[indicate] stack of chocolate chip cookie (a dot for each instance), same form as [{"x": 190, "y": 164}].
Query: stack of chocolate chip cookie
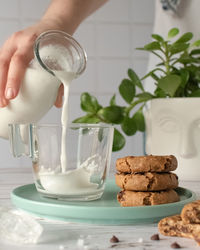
[
  {"x": 146, "y": 180},
  {"x": 186, "y": 224}
]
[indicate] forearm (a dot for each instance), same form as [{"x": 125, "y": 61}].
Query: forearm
[{"x": 68, "y": 14}]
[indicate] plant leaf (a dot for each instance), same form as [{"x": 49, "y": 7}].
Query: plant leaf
[
  {"x": 169, "y": 84},
  {"x": 178, "y": 47},
  {"x": 89, "y": 103},
  {"x": 173, "y": 32},
  {"x": 113, "y": 100},
  {"x": 196, "y": 43},
  {"x": 128, "y": 126},
  {"x": 195, "y": 52},
  {"x": 157, "y": 37},
  {"x": 185, "y": 59},
  {"x": 111, "y": 114},
  {"x": 138, "y": 119},
  {"x": 195, "y": 93},
  {"x": 127, "y": 90},
  {"x": 100, "y": 134},
  {"x": 145, "y": 95},
  {"x": 184, "y": 77},
  {"x": 134, "y": 77},
  {"x": 152, "y": 74},
  {"x": 118, "y": 141},
  {"x": 185, "y": 38},
  {"x": 152, "y": 46},
  {"x": 196, "y": 75},
  {"x": 159, "y": 93},
  {"x": 87, "y": 119}
]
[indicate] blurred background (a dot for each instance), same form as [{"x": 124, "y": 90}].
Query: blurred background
[{"x": 109, "y": 37}]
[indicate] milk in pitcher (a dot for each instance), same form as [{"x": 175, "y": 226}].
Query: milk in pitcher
[{"x": 36, "y": 96}]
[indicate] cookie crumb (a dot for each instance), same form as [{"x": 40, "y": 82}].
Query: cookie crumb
[
  {"x": 175, "y": 245},
  {"x": 155, "y": 237},
  {"x": 114, "y": 239}
]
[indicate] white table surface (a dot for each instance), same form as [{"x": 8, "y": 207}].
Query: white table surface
[{"x": 64, "y": 235}]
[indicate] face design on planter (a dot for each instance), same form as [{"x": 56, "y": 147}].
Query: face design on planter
[{"x": 173, "y": 127}]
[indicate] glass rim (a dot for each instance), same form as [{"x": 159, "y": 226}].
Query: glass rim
[
  {"x": 69, "y": 125},
  {"x": 66, "y": 36}
]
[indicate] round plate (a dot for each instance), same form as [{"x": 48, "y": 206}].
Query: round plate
[{"x": 106, "y": 210}]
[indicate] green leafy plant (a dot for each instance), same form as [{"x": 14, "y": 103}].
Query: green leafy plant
[{"x": 176, "y": 75}]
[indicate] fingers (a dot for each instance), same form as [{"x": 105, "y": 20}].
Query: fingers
[
  {"x": 15, "y": 56},
  {"x": 58, "y": 102},
  {"x": 5, "y": 55},
  {"x": 17, "y": 68}
]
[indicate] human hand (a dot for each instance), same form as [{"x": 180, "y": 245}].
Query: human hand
[{"x": 15, "y": 55}]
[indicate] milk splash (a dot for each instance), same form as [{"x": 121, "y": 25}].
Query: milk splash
[{"x": 72, "y": 181}]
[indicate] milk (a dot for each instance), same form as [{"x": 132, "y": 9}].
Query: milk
[
  {"x": 70, "y": 182},
  {"x": 65, "y": 78},
  {"x": 67, "y": 181},
  {"x": 37, "y": 95}
]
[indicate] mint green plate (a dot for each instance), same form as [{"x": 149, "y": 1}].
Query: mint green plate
[{"x": 103, "y": 211}]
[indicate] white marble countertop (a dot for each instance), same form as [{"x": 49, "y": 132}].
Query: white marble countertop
[{"x": 63, "y": 235}]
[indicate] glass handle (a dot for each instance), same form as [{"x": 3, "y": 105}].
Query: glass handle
[{"x": 19, "y": 136}]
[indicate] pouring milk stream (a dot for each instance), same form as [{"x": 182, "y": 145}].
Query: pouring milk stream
[
  {"x": 62, "y": 59},
  {"x": 65, "y": 66}
]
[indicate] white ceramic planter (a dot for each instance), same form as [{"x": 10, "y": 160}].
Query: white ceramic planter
[{"x": 173, "y": 127}]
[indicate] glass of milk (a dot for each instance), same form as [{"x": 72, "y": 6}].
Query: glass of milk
[{"x": 73, "y": 168}]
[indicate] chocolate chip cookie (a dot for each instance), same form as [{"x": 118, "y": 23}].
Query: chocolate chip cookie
[
  {"x": 191, "y": 212},
  {"x": 146, "y": 181},
  {"x": 174, "y": 226},
  {"x": 149, "y": 163},
  {"x": 132, "y": 198}
]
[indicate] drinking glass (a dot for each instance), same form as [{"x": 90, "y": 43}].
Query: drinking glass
[{"x": 77, "y": 174}]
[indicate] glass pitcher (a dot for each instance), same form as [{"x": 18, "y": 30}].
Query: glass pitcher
[
  {"x": 54, "y": 50},
  {"x": 57, "y": 50}
]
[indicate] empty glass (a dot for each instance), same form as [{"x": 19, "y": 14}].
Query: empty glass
[{"x": 77, "y": 174}]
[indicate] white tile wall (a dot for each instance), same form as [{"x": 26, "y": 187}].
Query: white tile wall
[
  {"x": 113, "y": 40},
  {"x": 87, "y": 81},
  {"x": 85, "y": 35},
  {"x": 142, "y": 11},
  {"x": 109, "y": 37},
  {"x": 114, "y": 11},
  {"x": 7, "y": 27},
  {"x": 9, "y": 9},
  {"x": 110, "y": 71},
  {"x": 32, "y": 9},
  {"x": 140, "y": 35}
]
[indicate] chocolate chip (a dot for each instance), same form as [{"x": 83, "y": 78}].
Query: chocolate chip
[
  {"x": 155, "y": 237},
  {"x": 120, "y": 196},
  {"x": 114, "y": 239},
  {"x": 175, "y": 245}
]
